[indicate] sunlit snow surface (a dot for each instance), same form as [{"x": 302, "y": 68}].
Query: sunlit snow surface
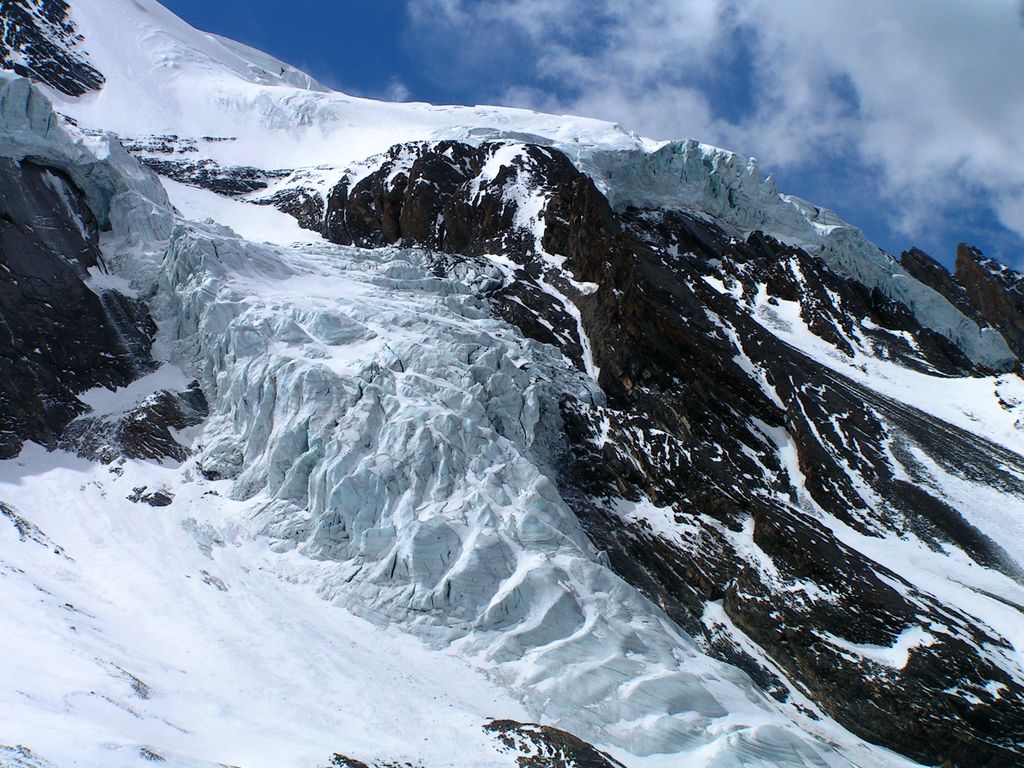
[{"x": 127, "y": 628}]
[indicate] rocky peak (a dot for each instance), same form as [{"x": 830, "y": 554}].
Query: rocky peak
[
  {"x": 996, "y": 292},
  {"x": 447, "y": 196}
]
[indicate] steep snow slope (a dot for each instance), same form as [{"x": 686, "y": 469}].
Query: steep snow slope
[
  {"x": 167, "y": 78},
  {"x": 134, "y": 632}
]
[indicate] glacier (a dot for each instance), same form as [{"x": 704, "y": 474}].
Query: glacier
[
  {"x": 376, "y": 491},
  {"x": 378, "y": 420}
]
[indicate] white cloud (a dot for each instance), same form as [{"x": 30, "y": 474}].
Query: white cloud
[
  {"x": 929, "y": 92},
  {"x": 396, "y": 91}
]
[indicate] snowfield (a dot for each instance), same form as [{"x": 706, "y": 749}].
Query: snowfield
[{"x": 136, "y": 629}]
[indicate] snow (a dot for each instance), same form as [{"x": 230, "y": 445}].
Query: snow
[
  {"x": 103, "y": 401},
  {"x": 258, "y": 223},
  {"x": 456, "y": 500},
  {"x": 530, "y": 201},
  {"x": 163, "y": 77},
  {"x": 660, "y": 520},
  {"x": 895, "y": 656},
  {"x": 101, "y": 281},
  {"x": 219, "y": 655},
  {"x": 411, "y": 473},
  {"x": 388, "y": 561}
]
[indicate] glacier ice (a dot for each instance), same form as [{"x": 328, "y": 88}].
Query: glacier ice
[
  {"x": 390, "y": 427},
  {"x": 382, "y": 423},
  {"x": 378, "y": 420},
  {"x": 115, "y": 185}
]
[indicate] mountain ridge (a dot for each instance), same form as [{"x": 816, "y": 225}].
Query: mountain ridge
[{"x": 584, "y": 412}]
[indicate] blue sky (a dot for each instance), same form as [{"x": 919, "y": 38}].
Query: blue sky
[{"x": 907, "y": 119}]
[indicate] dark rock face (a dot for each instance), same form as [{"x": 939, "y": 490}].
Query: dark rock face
[
  {"x": 930, "y": 272},
  {"x": 231, "y": 181},
  {"x": 339, "y": 760},
  {"x": 996, "y": 291},
  {"x": 173, "y": 157},
  {"x": 144, "y": 432},
  {"x": 306, "y": 206},
  {"x": 158, "y": 498},
  {"x": 535, "y": 746},
  {"x": 541, "y": 746},
  {"x": 58, "y": 337},
  {"x": 432, "y": 196},
  {"x": 426, "y": 195},
  {"x": 746, "y": 441},
  {"x": 40, "y": 42},
  {"x": 986, "y": 291},
  {"x": 691, "y": 429},
  {"x": 160, "y": 144}
]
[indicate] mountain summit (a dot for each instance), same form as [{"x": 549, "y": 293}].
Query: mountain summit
[{"x": 343, "y": 432}]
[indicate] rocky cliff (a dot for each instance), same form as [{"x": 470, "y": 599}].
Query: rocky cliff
[{"x": 688, "y": 468}]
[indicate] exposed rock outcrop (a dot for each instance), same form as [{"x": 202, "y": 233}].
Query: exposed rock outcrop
[
  {"x": 541, "y": 746},
  {"x": 40, "y": 42},
  {"x": 532, "y": 745},
  {"x": 206, "y": 174},
  {"x": 61, "y": 333},
  {"x": 930, "y": 272},
  {"x": 995, "y": 290},
  {"x": 706, "y": 446},
  {"x": 146, "y": 431},
  {"x": 66, "y": 326}
]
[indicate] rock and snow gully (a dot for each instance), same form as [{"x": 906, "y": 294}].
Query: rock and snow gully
[{"x": 435, "y": 423}]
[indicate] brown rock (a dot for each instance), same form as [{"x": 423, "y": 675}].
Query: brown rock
[{"x": 996, "y": 291}]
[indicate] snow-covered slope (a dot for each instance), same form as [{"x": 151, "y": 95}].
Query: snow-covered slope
[
  {"x": 530, "y": 420},
  {"x": 165, "y": 77},
  {"x": 134, "y": 634}
]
